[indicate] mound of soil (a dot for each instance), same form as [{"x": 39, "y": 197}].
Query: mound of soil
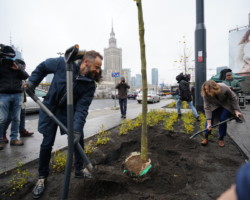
[{"x": 182, "y": 169}]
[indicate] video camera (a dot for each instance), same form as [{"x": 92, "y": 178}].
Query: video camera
[{"x": 7, "y": 55}]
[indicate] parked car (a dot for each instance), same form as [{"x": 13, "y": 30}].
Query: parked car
[
  {"x": 32, "y": 106},
  {"x": 161, "y": 94},
  {"x": 152, "y": 97},
  {"x": 132, "y": 95},
  {"x": 114, "y": 96}
]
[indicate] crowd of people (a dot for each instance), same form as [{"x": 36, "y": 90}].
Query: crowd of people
[{"x": 220, "y": 102}]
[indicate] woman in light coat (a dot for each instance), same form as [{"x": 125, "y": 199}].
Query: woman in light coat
[{"x": 219, "y": 103}]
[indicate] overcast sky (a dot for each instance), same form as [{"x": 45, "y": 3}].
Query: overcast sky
[{"x": 42, "y": 28}]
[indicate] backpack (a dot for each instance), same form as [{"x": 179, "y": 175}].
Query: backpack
[{"x": 185, "y": 93}]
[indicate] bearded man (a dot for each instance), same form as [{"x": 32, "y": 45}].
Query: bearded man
[{"x": 86, "y": 72}]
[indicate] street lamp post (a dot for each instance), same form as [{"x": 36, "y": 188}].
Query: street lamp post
[{"x": 200, "y": 53}]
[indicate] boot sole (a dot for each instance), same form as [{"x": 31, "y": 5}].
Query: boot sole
[
  {"x": 16, "y": 144},
  {"x": 26, "y": 135}
]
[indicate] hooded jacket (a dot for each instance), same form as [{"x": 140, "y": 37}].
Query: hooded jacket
[
  {"x": 184, "y": 91},
  {"x": 184, "y": 88}
]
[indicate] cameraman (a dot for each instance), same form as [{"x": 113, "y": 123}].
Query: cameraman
[
  {"x": 122, "y": 96},
  {"x": 11, "y": 76},
  {"x": 22, "y": 130}
]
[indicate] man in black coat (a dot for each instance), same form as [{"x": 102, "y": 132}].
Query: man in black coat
[
  {"x": 11, "y": 76},
  {"x": 185, "y": 94},
  {"x": 123, "y": 96},
  {"x": 23, "y": 132}
]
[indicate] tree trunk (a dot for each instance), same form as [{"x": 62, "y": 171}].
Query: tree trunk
[{"x": 144, "y": 134}]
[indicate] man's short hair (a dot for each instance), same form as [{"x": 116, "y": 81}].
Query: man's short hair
[{"x": 92, "y": 54}]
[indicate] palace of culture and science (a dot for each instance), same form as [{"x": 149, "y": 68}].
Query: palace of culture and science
[{"x": 113, "y": 62}]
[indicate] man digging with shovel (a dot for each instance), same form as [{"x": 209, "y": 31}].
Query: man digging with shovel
[{"x": 85, "y": 74}]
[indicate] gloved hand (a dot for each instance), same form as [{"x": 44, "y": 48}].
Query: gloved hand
[
  {"x": 29, "y": 88},
  {"x": 77, "y": 136}
]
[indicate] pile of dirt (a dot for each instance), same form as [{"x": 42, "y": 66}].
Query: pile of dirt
[{"x": 182, "y": 169}]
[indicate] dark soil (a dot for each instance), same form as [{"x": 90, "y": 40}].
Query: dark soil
[{"x": 182, "y": 170}]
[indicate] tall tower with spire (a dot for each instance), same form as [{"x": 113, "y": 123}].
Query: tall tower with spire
[{"x": 112, "y": 58}]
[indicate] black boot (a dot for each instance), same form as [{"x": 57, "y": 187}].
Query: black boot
[{"x": 84, "y": 173}]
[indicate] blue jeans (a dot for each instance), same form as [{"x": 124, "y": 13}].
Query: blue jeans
[
  {"x": 123, "y": 106},
  {"x": 222, "y": 114},
  {"x": 22, "y": 121},
  {"x": 46, "y": 148},
  {"x": 10, "y": 104},
  {"x": 190, "y": 103}
]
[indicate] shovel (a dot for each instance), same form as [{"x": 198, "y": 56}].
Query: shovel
[
  {"x": 59, "y": 123},
  {"x": 222, "y": 122}
]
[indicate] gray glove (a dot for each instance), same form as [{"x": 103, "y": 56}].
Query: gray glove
[{"x": 77, "y": 136}]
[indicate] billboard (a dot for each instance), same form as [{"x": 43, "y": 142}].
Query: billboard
[{"x": 239, "y": 50}]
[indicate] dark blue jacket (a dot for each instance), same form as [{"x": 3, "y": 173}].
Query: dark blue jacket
[
  {"x": 243, "y": 182},
  {"x": 56, "y": 98}
]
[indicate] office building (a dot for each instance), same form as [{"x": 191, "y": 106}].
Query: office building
[
  {"x": 154, "y": 74},
  {"x": 138, "y": 80},
  {"x": 133, "y": 81}
]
